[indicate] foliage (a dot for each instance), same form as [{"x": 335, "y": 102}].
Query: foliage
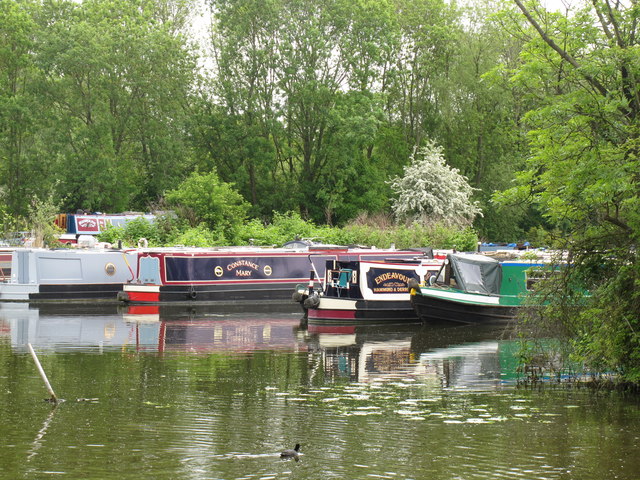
[
  {"x": 326, "y": 106},
  {"x": 198, "y": 236},
  {"x": 40, "y": 218},
  {"x": 284, "y": 228},
  {"x": 583, "y": 173},
  {"x": 92, "y": 105},
  {"x": 205, "y": 199},
  {"x": 311, "y": 106},
  {"x": 431, "y": 192},
  {"x": 132, "y": 232},
  {"x": 169, "y": 231},
  {"x": 408, "y": 236}
]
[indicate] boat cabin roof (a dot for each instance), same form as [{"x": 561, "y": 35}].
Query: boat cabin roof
[{"x": 476, "y": 273}]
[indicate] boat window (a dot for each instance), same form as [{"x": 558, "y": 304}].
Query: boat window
[
  {"x": 471, "y": 275},
  {"x": 535, "y": 275},
  {"x": 431, "y": 277}
]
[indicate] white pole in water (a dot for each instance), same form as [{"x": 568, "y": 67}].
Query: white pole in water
[{"x": 54, "y": 399}]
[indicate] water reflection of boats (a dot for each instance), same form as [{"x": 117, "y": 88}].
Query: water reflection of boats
[
  {"x": 77, "y": 328},
  {"x": 236, "y": 328},
  {"x": 65, "y": 327},
  {"x": 454, "y": 357}
]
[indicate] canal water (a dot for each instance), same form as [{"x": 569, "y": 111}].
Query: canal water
[{"x": 218, "y": 394}]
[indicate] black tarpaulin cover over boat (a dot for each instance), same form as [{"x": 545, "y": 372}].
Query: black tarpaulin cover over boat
[{"x": 476, "y": 273}]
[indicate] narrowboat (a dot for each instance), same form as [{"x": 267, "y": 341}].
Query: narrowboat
[
  {"x": 472, "y": 288},
  {"x": 359, "y": 289},
  {"x": 63, "y": 275},
  {"x": 92, "y": 224},
  {"x": 230, "y": 274},
  {"x": 6, "y": 255}
]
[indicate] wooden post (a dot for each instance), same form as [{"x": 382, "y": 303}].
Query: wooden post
[{"x": 54, "y": 399}]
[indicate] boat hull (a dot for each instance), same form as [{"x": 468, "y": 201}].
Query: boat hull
[
  {"x": 259, "y": 292},
  {"x": 361, "y": 291},
  {"x": 359, "y": 310},
  {"x": 67, "y": 275},
  {"x": 437, "y": 309}
]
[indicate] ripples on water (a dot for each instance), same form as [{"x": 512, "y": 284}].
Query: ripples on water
[{"x": 219, "y": 395}]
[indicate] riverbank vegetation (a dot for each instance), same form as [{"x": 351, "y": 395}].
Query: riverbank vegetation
[
  {"x": 379, "y": 232},
  {"x": 306, "y": 116}
]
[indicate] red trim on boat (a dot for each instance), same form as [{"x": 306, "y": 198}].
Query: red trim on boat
[
  {"x": 330, "y": 314},
  {"x": 236, "y": 282},
  {"x": 143, "y": 296}
]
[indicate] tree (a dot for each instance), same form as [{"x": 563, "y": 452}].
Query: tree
[
  {"x": 296, "y": 110},
  {"x": 116, "y": 76},
  {"x": 21, "y": 172},
  {"x": 584, "y": 170},
  {"x": 432, "y": 192},
  {"x": 205, "y": 199}
]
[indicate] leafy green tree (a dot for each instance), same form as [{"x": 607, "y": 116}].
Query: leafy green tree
[
  {"x": 205, "y": 199},
  {"x": 297, "y": 114},
  {"x": 116, "y": 75},
  {"x": 420, "y": 66},
  {"x": 22, "y": 170},
  {"x": 583, "y": 173}
]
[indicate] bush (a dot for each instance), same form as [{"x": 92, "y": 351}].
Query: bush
[
  {"x": 204, "y": 198},
  {"x": 199, "y": 236},
  {"x": 131, "y": 232},
  {"x": 284, "y": 228},
  {"x": 432, "y": 192},
  {"x": 288, "y": 226}
]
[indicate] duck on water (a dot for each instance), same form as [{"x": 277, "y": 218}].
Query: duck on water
[{"x": 291, "y": 453}]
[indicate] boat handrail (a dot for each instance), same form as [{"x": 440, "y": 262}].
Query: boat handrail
[{"x": 320, "y": 280}]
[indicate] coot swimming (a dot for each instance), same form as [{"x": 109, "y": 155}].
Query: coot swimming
[{"x": 291, "y": 453}]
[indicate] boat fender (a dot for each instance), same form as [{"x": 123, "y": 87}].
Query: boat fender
[
  {"x": 412, "y": 285},
  {"x": 192, "y": 294},
  {"x": 300, "y": 294},
  {"x": 312, "y": 302}
]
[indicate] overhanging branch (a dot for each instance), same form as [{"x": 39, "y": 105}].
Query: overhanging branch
[{"x": 563, "y": 53}]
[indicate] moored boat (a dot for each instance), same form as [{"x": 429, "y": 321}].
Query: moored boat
[
  {"x": 63, "y": 275},
  {"x": 357, "y": 289},
  {"x": 471, "y": 288},
  {"x": 83, "y": 224},
  {"x": 230, "y": 274}
]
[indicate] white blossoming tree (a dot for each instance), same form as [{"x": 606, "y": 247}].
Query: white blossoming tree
[{"x": 432, "y": 192}]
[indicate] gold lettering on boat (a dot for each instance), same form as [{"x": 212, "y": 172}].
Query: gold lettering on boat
[
  {"x": 391, "y": 276},
  {"x": 243, "y": 263}
]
